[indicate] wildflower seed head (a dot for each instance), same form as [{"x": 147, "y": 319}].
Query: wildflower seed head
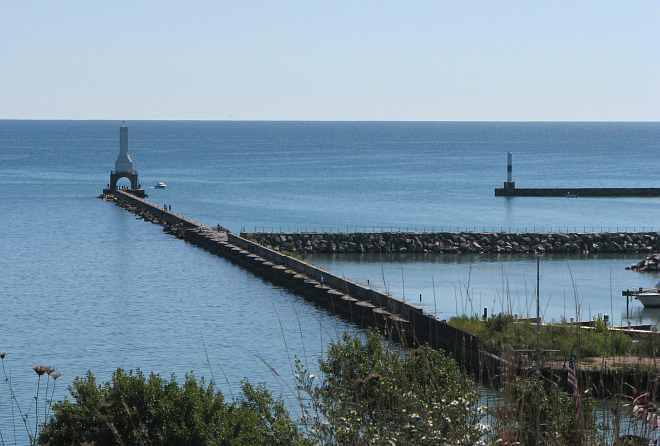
[
  {"x": 40, "y": 369},
  {"x": 2, "y": 355},
  {"x": 55, "y": 374}
]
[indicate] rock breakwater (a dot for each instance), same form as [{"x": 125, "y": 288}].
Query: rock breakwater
[
  {"x": 460, "y": 243},
  {"x": 649, "y": 264}
]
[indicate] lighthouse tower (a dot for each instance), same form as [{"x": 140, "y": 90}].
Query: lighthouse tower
[
  {"x": 509, "y": 184},
  {"x": 124, "y": 161},
  {"x": 124, "y": 166}
]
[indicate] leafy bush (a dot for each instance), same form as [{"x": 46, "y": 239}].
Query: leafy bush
[
  {"x": 134, "y": 409},
  {"x": 372, "y": 395}
]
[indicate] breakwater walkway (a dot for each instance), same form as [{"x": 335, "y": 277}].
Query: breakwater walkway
[
  {"x": 510, "y": 189},
  {"x": 460, "y": 243},
  {"x": 355, "y": 302},
  {"x": 578, "y": 192}
]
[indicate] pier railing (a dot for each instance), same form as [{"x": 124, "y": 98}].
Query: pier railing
[{"x": 425, "y": 229}]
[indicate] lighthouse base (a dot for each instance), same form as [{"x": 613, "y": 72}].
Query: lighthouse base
[{"x": 135, "y": 189}]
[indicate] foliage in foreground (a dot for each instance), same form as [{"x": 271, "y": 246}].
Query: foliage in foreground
[
  {"x": 369, "y": 394},
  {"x": 535, "y": 411},
  {"x": 372, "y": 395},
  {"x": 134, "y": 409}
]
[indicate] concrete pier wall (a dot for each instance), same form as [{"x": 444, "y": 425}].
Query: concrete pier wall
[
  {"x": 359, "y": 304},
  {"x": 167, "y": 217},
  {"x": 513, "y": 191},
  {"x": 359, "y": 291}
]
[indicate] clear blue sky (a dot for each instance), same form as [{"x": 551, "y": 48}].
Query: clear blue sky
[{"x": 327, "y": 60}]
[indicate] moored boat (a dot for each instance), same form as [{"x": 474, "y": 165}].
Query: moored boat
[{"x": 650, "y": 299}]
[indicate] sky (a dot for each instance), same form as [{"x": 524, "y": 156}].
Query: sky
[{"x": 331, "y": 60}]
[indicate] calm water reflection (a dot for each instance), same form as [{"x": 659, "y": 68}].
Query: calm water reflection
[{"x": 466, "y": 284}]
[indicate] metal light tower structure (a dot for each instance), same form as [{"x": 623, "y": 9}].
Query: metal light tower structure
[
  {"x": 509, "y": 184},
  {"x": 124, "y": 161},
  {"x": 124, "y": 165}
]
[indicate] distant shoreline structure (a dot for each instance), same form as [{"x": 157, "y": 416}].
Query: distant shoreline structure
[{"x": 510, "y": 190}]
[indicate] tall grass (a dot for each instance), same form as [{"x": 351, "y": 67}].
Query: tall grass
[
  {"x": 42, "y": 402},
  {"x": 501, "y": 332}
]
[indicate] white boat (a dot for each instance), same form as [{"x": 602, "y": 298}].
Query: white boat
[
  {"x": 160, "y": 185},
  {"x": 650, "y": 299}
]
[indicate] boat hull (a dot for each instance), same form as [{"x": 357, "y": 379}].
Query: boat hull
[{"x": 649, "y": 300}]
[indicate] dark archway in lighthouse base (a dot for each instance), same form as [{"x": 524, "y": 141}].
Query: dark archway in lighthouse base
[
  {"x": 116, "y": 176},
  {"x": 130, "y": 176}
]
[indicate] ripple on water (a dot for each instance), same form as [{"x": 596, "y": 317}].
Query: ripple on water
[{"x": 107, "y": 291}]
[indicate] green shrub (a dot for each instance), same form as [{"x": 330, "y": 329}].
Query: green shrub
[
  {"x": 134, "y": 409},
  {"x": 373, "y": 395}
]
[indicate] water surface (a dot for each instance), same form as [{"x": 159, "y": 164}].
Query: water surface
[
  {"x": 85, "y": 285},
  {"x": 578, "y": 287}
]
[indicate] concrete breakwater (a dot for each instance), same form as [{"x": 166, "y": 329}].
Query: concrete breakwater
[
  {"x": 460, "y": 243},
  {"x": 578, "y": 192},
  {"x": 357, "y": 303}
]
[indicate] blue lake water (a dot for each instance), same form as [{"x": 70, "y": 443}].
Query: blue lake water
[
  {"x": 570, "y": 287},
  {"x": 85, "y": 285}
]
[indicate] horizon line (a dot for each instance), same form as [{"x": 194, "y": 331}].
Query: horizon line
[{"x": 539, "y": 121}]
